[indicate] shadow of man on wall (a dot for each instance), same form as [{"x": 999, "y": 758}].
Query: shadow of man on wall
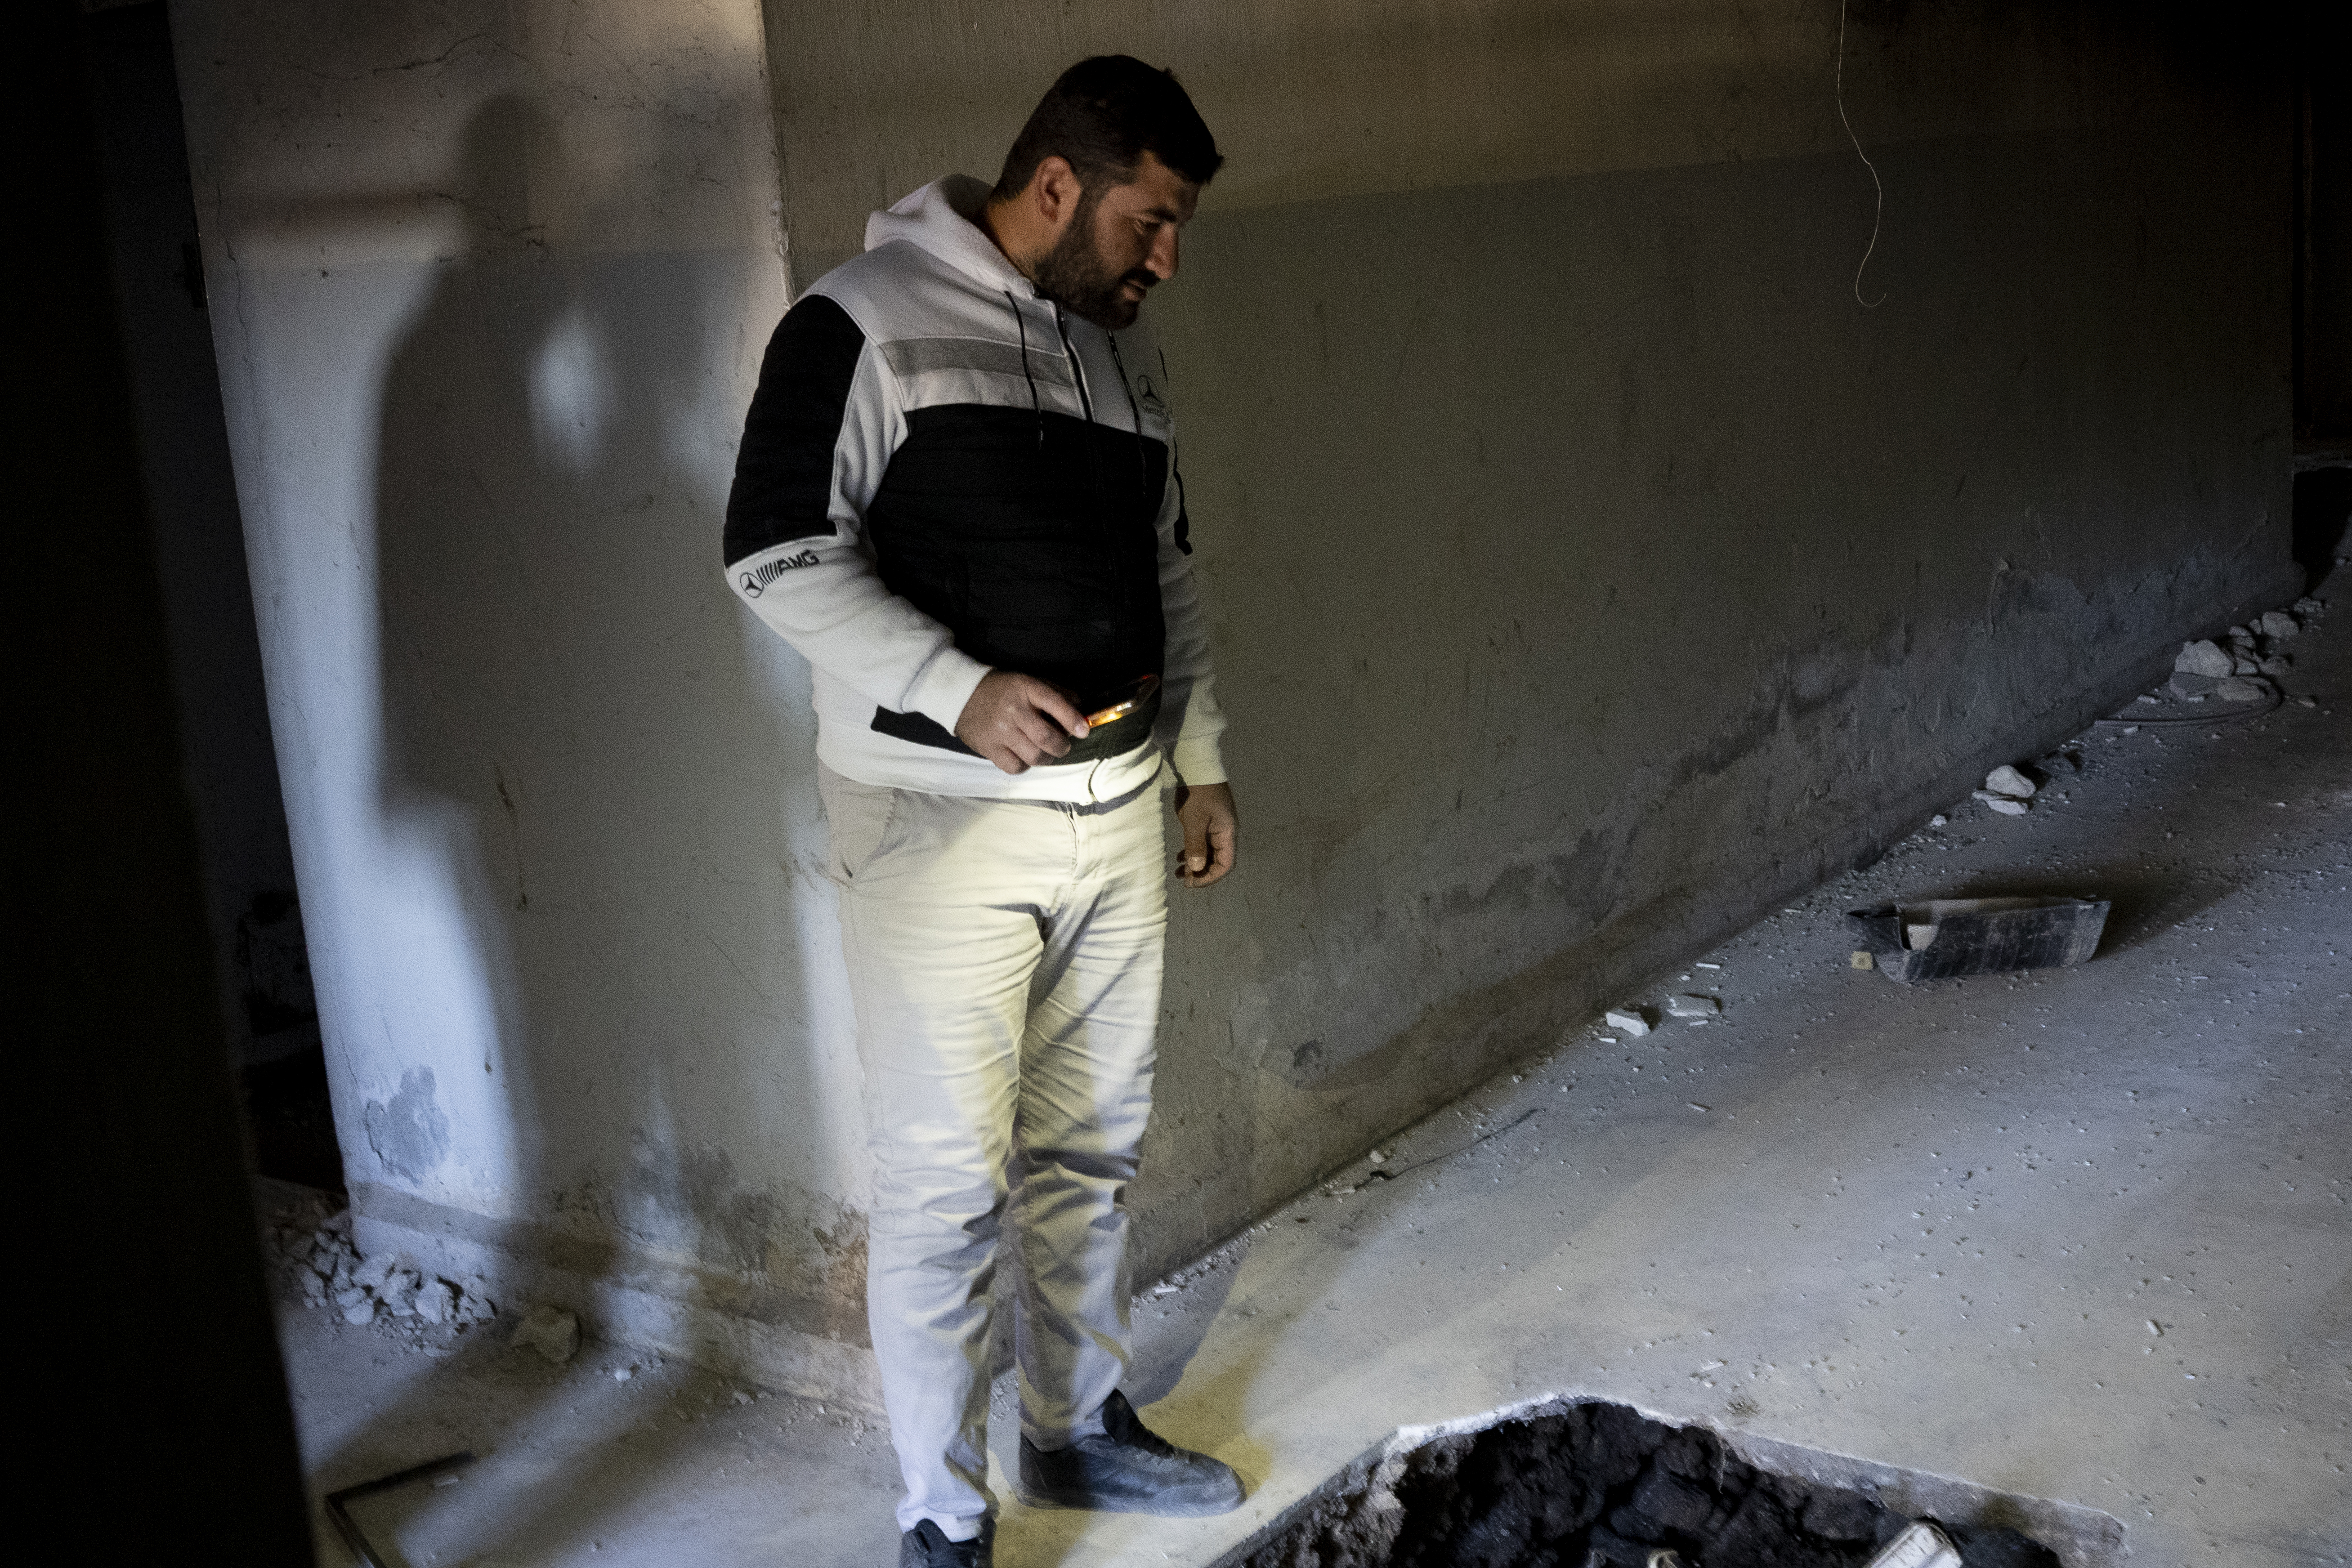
[
  {"x": 465, "y": 496},
  {"x": 559, "y": 670}
]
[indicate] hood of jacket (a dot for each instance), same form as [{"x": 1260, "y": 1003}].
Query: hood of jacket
[{"x": 943, "y": 219}]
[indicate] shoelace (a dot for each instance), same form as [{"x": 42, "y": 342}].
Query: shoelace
[{"x": 1121, "y": 1423}]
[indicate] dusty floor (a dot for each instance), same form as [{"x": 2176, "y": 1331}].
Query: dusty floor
[{"x": 2084, "y": 1235}]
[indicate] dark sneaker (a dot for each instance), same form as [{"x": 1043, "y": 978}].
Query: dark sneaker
[
  {"x": 1126, "y": 1469},
  {"x": 925, "y": 1547}
]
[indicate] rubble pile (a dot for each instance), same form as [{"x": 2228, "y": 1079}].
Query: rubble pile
[
  {"x": 320, "y": 1264},
  {"x": 2245, "y": 664},
  {"x": 1600, "y": 1484}
]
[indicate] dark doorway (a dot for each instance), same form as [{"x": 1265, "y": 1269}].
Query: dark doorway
[{"x": 261, "y": 963}]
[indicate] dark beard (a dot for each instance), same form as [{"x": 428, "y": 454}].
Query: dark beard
[{"x": 1074, "y": 276}]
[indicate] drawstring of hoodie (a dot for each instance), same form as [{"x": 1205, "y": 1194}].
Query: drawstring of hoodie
[
  {"x": 1077, "y": 364},
  {"x": 1086, "y": 401},
  {"x": 1176, "y": 472},
  {"x": 1022, "y": 327}
]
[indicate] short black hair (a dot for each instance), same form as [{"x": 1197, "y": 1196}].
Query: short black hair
[{"x": 1104, "y": 114}]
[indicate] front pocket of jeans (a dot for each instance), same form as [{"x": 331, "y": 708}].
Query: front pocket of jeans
[{"x": 861, "y": 818}]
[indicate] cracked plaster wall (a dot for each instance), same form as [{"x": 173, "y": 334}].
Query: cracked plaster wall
[{"x": 1589, "y": 570}]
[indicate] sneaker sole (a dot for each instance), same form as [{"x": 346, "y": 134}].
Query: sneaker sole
[{"x": 1206, "y": 1509}]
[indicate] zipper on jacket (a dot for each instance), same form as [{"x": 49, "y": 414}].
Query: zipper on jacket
[{"x": 1106, "y": 531}]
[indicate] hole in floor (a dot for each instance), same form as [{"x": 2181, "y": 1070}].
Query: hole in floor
[{"x": 1596, "y": 1485}]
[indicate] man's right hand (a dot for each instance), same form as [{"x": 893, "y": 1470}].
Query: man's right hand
[{"x": 1017, "y": 720}]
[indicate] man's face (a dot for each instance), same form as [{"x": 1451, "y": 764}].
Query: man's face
[{"x": 1119, "y": 245}]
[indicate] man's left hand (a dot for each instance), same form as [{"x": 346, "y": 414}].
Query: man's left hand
[{"x": 1211, "y": 833}]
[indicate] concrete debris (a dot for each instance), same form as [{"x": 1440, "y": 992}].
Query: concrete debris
[
  {"x": 1634, "y": 1021},
  {"x": 2203, "y": 658},
  {"x": 2006, "y": 780},
  {"x": 436, "y": 1303},
  {"x": 2250, "y": 653},
  {"x": 474, "y": 1304},
  {"x": 551, "y": 1332},
  {"x": 398, "y": 1293},
  {"x": 1938, "y": 820},
  {"x": 1693, "y": 1006},
  {"x": 312, "y": 1246},
  {"x": 2002, "y": 804},
  {"x": 1920, "y": 1546}
]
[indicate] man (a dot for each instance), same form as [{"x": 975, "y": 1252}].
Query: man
[{"x": 957, "y": 495}]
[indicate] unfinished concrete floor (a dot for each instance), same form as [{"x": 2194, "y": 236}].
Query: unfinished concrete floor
[{"x": 2081, "y": 1235}]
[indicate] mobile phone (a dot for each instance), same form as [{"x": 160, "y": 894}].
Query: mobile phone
[{"x": 1124, "y": 701}]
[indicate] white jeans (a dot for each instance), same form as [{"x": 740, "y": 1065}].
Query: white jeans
[{"x": 1004, "y": 959}]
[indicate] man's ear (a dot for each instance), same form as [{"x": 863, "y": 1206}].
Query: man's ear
[{"x": 1056, "y": 189}]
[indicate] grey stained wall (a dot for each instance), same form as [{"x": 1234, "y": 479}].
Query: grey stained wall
[{"x": 1589, "y": 568}]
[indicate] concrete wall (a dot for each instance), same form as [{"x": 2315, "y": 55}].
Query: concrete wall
[
  {"x": 2325, "y": 254},
  {"x": 1589, "y": 568},
  {"x": 489, "y": 283}
]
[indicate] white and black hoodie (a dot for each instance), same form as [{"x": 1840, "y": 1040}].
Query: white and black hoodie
[{"x": 943, "y": 473}]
